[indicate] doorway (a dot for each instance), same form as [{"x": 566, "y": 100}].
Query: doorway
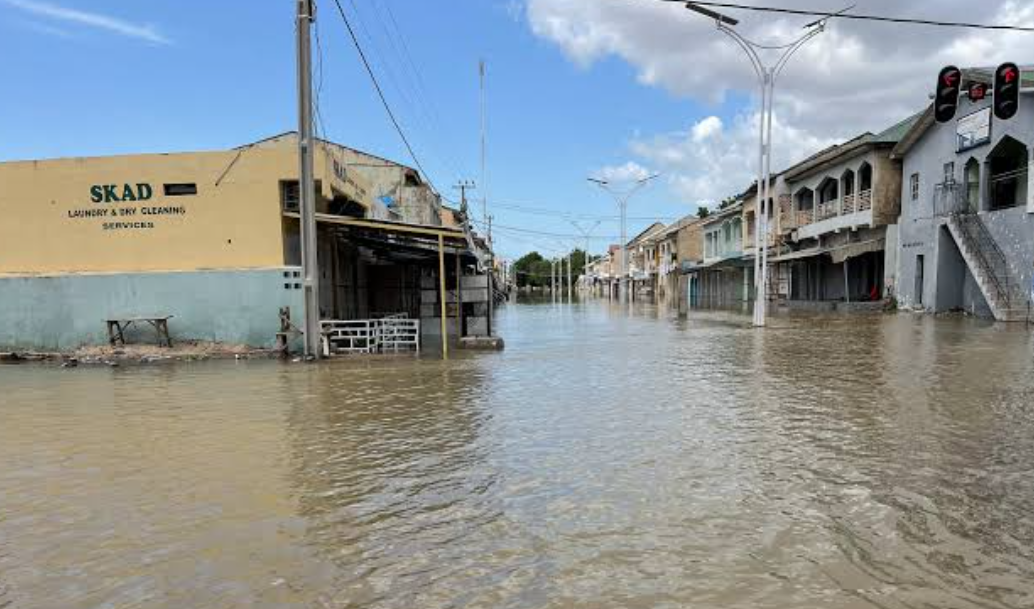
[{"x": 920, "y": 280}]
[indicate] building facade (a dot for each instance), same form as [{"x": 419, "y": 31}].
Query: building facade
[
  {"x": 966, "y": 237},
  {"x": 723, "y": 277},
  {"x": 837, "y": 222},
  {"x": 211, "y": 239}
]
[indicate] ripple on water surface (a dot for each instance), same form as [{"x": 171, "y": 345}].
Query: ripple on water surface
[{"x": 608, "y": 458}]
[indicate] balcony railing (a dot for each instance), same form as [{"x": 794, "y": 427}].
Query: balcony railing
[
  {"x": 849, "y": 204},
  {"x": 865, "y": 200},
  {"x": 827, "y": 210}
]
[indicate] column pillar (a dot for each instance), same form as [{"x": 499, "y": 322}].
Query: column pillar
[
  {"x": 1030, "y": 183},
  {"x": 985, "y": 186}
]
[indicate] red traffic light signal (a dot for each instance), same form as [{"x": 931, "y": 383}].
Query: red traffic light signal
[
  {"x": 946, "y": 100},
  {"x": 1007, "y": 91}
]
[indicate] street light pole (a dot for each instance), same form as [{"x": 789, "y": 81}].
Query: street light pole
[
  {"x": 767, "y": 76},
  {"x": 622, "y": 199},
  {"x": 585, "y": 233}
]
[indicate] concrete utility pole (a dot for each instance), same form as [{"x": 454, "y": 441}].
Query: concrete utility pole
[
  {"x": 767, "y": 76},
  {"x": 570, "y": 295},
  {"x": 306, "y": 183},
  {"x": 463, "y": 186},
  {"x": 552, "y": 279},
  {"x": 491, "y": 279},
  {"x": 622, "y": 199}
]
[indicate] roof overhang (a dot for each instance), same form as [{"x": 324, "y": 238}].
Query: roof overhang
[
  {"x": 395, "y": 239},
  {"x": 912, "y": 136},
  {"x": 837, "y": 254}
]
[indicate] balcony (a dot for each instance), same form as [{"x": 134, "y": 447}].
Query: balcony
[{"x": 850, "y": 211}]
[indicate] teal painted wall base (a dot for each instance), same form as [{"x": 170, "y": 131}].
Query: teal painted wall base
[{"x": 64, "y": 312}]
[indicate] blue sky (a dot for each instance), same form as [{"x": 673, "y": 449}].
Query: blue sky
[
  {"x": 576, "y": 88},
  {"x": 218, "y": 74}
]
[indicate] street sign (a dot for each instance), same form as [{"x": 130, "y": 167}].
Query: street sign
[{"x": 977, "y": 92}]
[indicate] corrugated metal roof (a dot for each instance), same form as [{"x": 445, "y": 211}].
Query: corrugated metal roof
[{"x": 894, "y": 134}]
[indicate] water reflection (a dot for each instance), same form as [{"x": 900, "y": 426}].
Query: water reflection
[{"x": 611, "y": 457}]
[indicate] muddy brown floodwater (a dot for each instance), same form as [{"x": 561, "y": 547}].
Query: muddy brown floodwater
[{"x": 608, "y": 458}]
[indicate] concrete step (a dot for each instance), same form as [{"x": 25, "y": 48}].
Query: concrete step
[{"x": 1014, "y": 315}]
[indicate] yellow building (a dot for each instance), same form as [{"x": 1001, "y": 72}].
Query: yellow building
[{"x": 210, "y": 238}]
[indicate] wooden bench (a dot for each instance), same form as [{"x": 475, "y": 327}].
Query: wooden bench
[{"x": 117, "y": 329}]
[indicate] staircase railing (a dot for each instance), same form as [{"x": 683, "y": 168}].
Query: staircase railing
[{"x": 990, "y": 256}]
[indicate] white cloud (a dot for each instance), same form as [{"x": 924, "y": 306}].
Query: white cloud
[
  {"x": 515, "y": 10},
  {"x": 707, "y": 162},
  {"x": 855, "y": 77},
  {"x": 629, "y": 172},
  {"x": 707, "y": 128},
  {"x": 89, "y": 19}
]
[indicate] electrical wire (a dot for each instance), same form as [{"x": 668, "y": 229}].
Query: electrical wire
[
  {"x": 528, "y": 231},
  {"x": 540, "y": 211},
  {"x": 570, "y": 216},
  {"x": 400, "y": 75},
  {"x": 861, "y": 17},
  {"x": 427, "y": 106},
  {"x": 380, "y": 94}
]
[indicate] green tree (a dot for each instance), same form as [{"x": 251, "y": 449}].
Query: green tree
[
  {"x": 534, "y": 270},
  {"x": 703, "y": 212}
]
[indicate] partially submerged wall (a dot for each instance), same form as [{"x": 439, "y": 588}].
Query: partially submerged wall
[{"x": 64, "y": 312}]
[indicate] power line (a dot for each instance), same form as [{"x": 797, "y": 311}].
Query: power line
[
  {"x": 568, "y": 215},
  {"x": 541, "y": 211},
  {"x": 428, "y": 108},
  {"x": 401, "y": 77},
  {"x": 528, "y": 231},
  {"x": 380, "y": 94},
  {"x": 861, "y": 17}
]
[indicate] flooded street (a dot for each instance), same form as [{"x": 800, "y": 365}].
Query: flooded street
[{"x": 606, "y": 459}]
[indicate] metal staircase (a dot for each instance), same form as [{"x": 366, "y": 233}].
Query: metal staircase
[{"x": 988, "y": 264}]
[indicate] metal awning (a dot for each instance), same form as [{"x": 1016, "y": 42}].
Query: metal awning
[
  {"x": 853, "y": 250},
  {"x": 398, "y": 241},
  {"x": 837, "y": 254},
  {"x": 800, "y": 255}
]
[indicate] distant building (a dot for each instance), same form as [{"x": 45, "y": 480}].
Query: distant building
[
  {"x": 669, "y": 268},
  {"x": 643, "y": 259},
  {"x": 723, "y": 277}
]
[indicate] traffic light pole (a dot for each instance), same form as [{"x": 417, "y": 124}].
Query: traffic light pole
[{"x": 767, "y": 77}]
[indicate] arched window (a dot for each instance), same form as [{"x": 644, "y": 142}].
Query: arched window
[
  {"x": 1008, "y": 187},
  {"x": 865, "y": 177}
]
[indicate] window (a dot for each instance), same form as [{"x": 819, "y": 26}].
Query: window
[
  {"x": 949, "y": 173},
  {"x": 180, "y": 190},
  {"x": 289, "y": 195},
  {"x": 914, "y": 185}
]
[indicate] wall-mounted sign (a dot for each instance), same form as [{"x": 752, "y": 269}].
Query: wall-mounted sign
[
  {"x": 120, "y": 208},
  {"x": 977, "y": 92},
  {"x": 973, "y": 130}
]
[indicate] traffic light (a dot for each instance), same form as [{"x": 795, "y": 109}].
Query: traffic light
[
  {"x": 947, "y": 98},
  {"x": 1007, "y": 91}
]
